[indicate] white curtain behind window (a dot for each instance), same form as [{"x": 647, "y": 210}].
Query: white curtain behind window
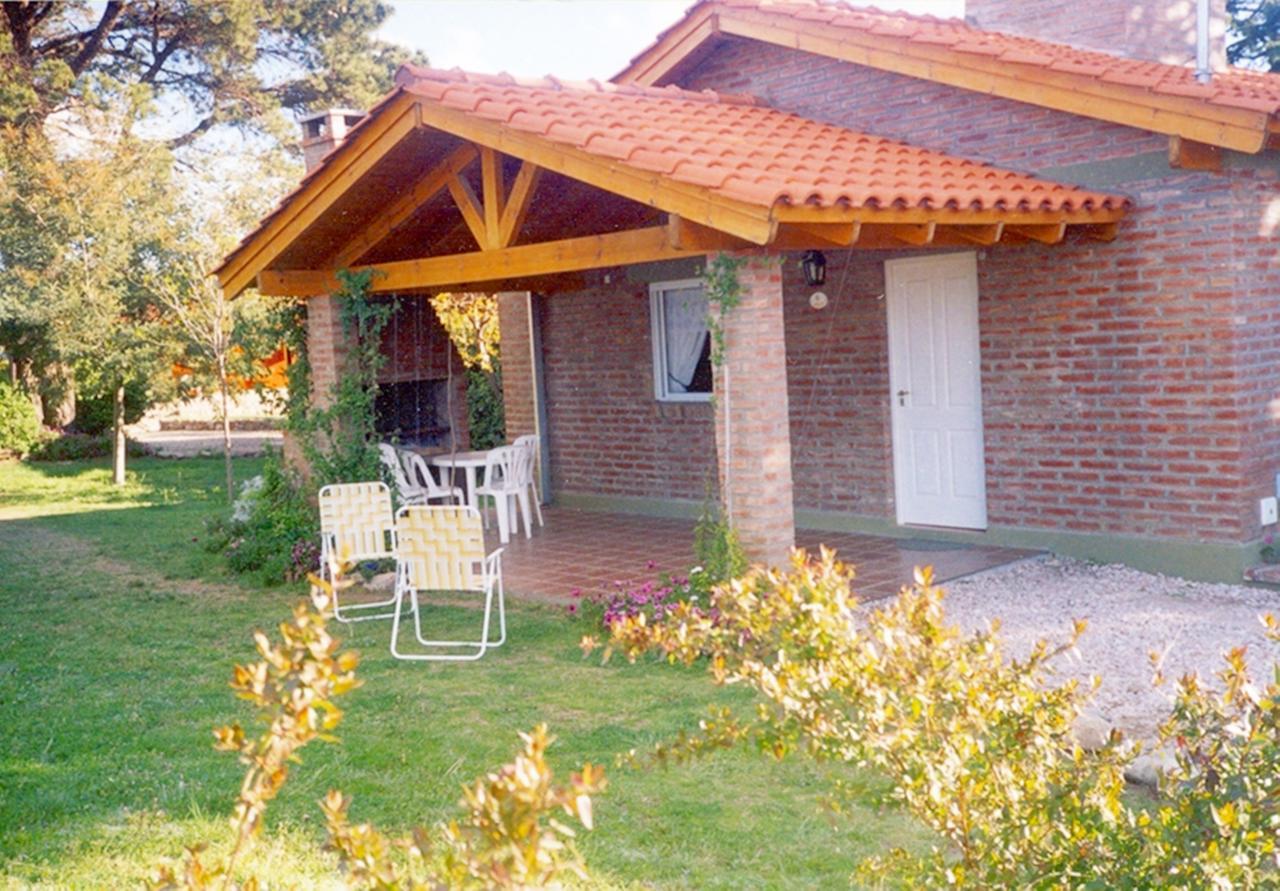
[{"x": 685, "y": 313}]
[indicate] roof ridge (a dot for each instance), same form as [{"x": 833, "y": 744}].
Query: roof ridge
[{"x": 409, "y": 74}]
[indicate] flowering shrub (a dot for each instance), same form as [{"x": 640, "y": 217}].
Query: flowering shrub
[
  {"x": 652, "y": 599},
  {"x": 506, "y": 838},
  {"x": 977, "y": 746},
  {"x": 720, "y": 558}
]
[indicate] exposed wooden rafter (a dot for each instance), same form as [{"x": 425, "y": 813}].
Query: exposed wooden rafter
[
  {"x": 566, "y": 255},
  {"x": 517, "y": 205},
  {"x": 1045, "y": 234},
  {"x": 1187, "y": 154},
  {"x": 422, "y": 191},
  {"x": 330, "y": 182}
]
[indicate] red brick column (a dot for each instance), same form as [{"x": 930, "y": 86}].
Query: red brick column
[
  {"x": 754, "y": 446},
  {"x": 326, "y": 346},
  {"x": 519, "y": 398}
]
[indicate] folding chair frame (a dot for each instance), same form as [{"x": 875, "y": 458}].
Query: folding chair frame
[
  {"x": 331, "y": 554},
  {"x": 490, "y": 585}
]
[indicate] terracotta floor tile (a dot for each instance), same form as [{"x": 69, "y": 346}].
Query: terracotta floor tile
[{"x": 588, "y": 551}]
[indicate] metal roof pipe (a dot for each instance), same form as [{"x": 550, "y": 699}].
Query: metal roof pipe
[{"x": 1204, "y": 74}]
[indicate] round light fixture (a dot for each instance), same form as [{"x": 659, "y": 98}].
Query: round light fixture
[{"x": 818, "y": 300}]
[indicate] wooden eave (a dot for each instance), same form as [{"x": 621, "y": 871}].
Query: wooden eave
[
  {"x": 678, "y": 219},
  {"x": 1238, "y": 129}
]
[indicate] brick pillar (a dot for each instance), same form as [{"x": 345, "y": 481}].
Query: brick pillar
[
  {"x": 754, "y": 448},
  {"x": 519, "y": 397},
  {"x": 326, "y": 346}
]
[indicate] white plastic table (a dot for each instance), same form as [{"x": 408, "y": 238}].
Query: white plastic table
[{"x": 469, "y": 462}]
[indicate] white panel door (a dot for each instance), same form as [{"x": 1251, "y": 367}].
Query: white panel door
[{"x": 935, "y": 386}]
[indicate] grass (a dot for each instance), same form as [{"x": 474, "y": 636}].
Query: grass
[{"x": 119, "y": 635}]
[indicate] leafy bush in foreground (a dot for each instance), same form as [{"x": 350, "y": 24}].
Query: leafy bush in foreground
[
  {"x": 506, "y": 838},
  {"x": 979, "y": 747},
  {"x": 19, "y": 426},
  {"x": 279, "y": 538}
]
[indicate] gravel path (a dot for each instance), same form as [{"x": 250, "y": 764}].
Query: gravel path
[
  {"x": 189, "y": 443},
  {"x": 1130, "y": 614}
]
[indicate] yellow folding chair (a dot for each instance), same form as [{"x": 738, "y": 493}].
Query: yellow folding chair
[
  {"x": 356, "y": 524},
  {"x": 441, "y": 548}
]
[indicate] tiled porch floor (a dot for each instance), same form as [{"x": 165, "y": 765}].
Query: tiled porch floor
[{"x": 586, "y": 551}]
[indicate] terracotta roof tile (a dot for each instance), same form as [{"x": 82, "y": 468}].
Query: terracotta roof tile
[
  {"x": 1236, "y": 88},
  {"x": 742, "y": 150}
]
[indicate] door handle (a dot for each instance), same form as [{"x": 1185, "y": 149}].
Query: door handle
[{"x": 902, "y": 397}]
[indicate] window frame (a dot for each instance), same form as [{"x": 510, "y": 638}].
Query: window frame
[{"x": 658, "y": 339}]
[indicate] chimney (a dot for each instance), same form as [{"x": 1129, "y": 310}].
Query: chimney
[
  {"x": 324, "y": 130},
  {"x": 1155, "y": 30}
]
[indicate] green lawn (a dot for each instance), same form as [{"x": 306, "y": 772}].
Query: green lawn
[{"x": 116, "y": 643}]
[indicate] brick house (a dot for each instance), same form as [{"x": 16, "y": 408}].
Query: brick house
[{"x": 1050, "y": 310}]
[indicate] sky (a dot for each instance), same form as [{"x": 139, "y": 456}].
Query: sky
[{"x": 572, "y": 39}]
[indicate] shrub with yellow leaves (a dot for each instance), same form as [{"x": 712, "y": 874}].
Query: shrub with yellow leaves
[
  {"x": 508, "y": 836},
  {"x": 977, "y": 745}
]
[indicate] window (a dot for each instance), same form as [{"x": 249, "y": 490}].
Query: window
[{"x": 681, "y": 343}]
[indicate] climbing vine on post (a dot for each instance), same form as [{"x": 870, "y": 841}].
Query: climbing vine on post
[
  {"x": 724, "y": 293},
  {"x": 340, "y": 441}
]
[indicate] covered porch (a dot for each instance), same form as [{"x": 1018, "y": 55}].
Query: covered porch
[
  {"x": 569, "y": 202},
  {"x": 579, "y": 552}
]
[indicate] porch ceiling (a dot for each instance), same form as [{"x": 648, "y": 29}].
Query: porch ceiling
[{"x": 457, "y": 179}]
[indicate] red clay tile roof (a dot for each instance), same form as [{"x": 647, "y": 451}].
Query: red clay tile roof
[
  {"x": 741, "y": 150},
  {"x": 1236, "y": 88}
]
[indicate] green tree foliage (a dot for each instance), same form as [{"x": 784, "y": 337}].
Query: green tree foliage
[
  {"x": 235, "y": 63},
  {"x": 978, "y": 745},
  {"x": 19, "y": 427},
  {"x": 1254, "y": 41},
  {"x": 95, "y": 98}
]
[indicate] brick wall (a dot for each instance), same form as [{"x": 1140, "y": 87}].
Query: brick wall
[
  {"x": 1163, "y": 30},
  {"x": 1125, "y": 385},
  {"x": 1128, "y": 387},
  {"x": 1255, "y": 253},
  {"x": 607, "y": 433}
]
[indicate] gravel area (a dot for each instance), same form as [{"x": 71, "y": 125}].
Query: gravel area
[
  {"x": 189, "y": 443},
  {"x": 1130, "y": 614}
]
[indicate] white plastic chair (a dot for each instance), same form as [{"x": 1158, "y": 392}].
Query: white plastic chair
[
  {"x": 356, "y": 524},
  {"x": 419, "y": 473},
  {"x": 441, "y": 548},
  {"x": 414, "y": 482},
  {"x": 508, "y": 472},
  {"x": 530, "y": 442}
]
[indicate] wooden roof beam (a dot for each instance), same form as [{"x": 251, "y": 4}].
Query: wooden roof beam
[
  {"x": 464, "y": 198},
  {"x": 1187, "y": 154},
  {"x": 1098, "y": 231},
  {"x": 624, "y": 248},
  {"x": 1239, "y": 129},
  {"x": 329, "y": 183},
  {"x": 981, "y": 235},
  {"x": 816, "y": 236},
  {"x": 1048, "y": 234},
  {"x": 695, "y": 203},
  {"x": 684, "y": 235},
  {"x": 491, "y": 186},
  {"x": 517, "y": 204},
  {"x": 427, "y": 187}
]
